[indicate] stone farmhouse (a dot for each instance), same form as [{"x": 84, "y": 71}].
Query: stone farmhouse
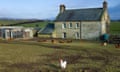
[
  {"x": 15, "y": 32},
  {"x": 88, "y": 23}
]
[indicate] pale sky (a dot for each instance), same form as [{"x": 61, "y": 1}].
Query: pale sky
[{"x": 45, "y": 9}]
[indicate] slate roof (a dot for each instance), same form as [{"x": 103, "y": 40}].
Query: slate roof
[
  {"x": 48, "y": 29},
  {"x": 90, "y": 14},
  {"x": 37, "y": 29}
]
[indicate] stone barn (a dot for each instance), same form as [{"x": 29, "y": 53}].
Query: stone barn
[
  {"x": 88, "y": 23},
  {"x": 15, "y": 32}
]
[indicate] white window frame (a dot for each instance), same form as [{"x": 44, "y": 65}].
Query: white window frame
[
  {"x": 77, "y": 25},
  {"x": 77, "y": 35},
  {"x": 64, "y": 35},
  {"x": 64, "y": 26},
  {"x": 70, "y": 25}
]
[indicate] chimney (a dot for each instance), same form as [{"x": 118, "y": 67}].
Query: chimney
[
  {"x": 62, "y": 8},
  {"x": 105, "y": 5}
]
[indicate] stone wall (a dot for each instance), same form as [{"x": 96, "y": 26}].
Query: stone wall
[
  {"x": 69, "y": 31},
  {"x": 105, "y": 19},
  {"x": 90, "y": 30}
]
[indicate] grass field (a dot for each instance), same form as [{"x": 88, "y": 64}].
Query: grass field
[
  {"x": 44, "y": 57},
  {"x": 32, "y": 56},
  {"x": 115, "y": 28}
]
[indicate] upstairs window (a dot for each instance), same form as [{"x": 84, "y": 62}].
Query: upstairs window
[
  {"x": 77, "y": 25},
  {"x": 70, "y": 25},
  {"x": 64, "y": 26}
]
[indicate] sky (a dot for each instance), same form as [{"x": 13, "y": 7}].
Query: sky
[{"x": 48, "y": 9}]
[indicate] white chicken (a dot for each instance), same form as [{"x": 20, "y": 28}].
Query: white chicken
[{"x": 63, "y": 64}]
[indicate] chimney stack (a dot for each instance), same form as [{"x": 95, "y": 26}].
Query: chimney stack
[
  {"x": 62, "y": 8},
  {"x": 105, "y": 4}
]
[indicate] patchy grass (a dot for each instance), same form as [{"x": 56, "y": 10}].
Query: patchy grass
[{"x": 44, "y": 57}]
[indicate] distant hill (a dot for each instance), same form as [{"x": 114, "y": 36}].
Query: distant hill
[
  {"x": 11, "y": 22},
  {"x": 24, "y": 22}
]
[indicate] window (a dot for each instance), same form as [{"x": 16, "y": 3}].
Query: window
[
  {"x": 63, "y": 25},
  {"x": 70, "y": 25},
  {"x": 77, "y": 25},
  {"x": 64, "y": 35},
  {"x": 77, "y": 35}
]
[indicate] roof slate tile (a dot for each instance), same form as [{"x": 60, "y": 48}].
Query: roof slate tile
[{"x": 90, "y": 14}]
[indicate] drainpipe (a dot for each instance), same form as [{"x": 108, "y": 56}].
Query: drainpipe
[{"x": 80, "y": 30}]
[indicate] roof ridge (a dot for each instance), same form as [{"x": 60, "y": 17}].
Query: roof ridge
[{"x": 83, "y": 9}]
